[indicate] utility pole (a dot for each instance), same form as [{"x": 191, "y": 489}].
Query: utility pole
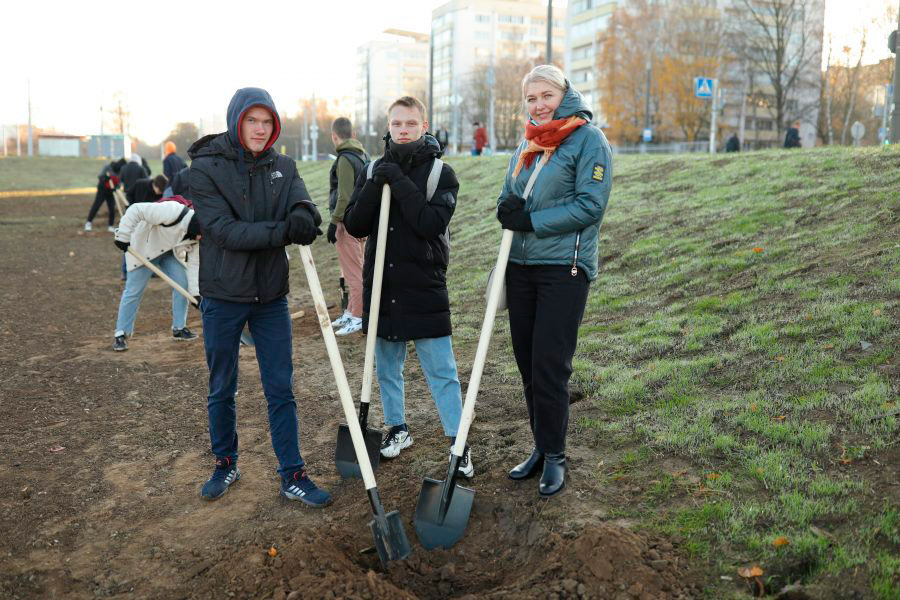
[
  {"x": 712, "y": 119},
  {"x": 431, "y": 78},
  {"x": 895, "y": 120},
  {"x": 30, "y": 136},
  {"x": 368, "y": 97},
  {"x": 549, "y": 32}
]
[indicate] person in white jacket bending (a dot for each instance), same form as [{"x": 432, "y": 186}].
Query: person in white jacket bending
[{"x": 166, "y": 234}]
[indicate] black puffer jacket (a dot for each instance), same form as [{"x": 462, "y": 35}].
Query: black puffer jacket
[
  {"x": 242, "y": 204},
  {"x": 414, "y": 300}
]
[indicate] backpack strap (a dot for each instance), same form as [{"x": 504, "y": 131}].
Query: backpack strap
[
  {"x": 433, "y": 178},
  {"x": 184, "y": 211},
  {"x": 370, "y": 169}
]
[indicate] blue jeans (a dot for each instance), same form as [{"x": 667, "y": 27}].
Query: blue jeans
[
  {"x": 438, "y": 364},
  {"x": 270, "y": 326},
  {"x": 134, "y": 291}
]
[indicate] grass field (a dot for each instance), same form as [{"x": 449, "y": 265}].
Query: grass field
[
  {"x": 52, "y": 173},
  {"x": 737, "y": 371},
  {"x": 738, "y": 354}
]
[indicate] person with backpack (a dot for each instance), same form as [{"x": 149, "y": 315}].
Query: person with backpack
[
  {"x": 553, "y": 257},
  {"x": 415, "y": 305},
  {"x": 351, "y": 161},
  {"x": 252, "y": 204},
  {"x": 164, "y": 233},
  {"x": 133, "y": 170},
  {"x": 107, "y": 181}
]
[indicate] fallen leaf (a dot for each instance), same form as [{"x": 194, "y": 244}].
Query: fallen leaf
[
  {"x": 57, "y": 448},
  {"x": 712, "y": 476},
  {"x": 750, "y": 572},
  {"x": 273, "y": 552},
  {"x": 753, "y": 408},
  {"x": 877, "y": 312},
  {"x": 828, "y": 346},
  {"x": 758, "y": 250},
  {"x": 778, "y": 418},
  {"x": 779, "y": 358},
  {"x": 808, "y": 317},
  {"x": 780, "y": 541},
  {"x": 760, "y": 471}
]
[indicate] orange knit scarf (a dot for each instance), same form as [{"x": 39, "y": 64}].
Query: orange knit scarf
[{"x": 546, "y": 138}]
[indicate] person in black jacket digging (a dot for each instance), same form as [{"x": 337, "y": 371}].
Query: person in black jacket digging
[
  {"x": 251, "y": 203},
  {"x": 415, "y": 305}
]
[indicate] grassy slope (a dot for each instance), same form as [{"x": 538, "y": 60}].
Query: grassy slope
[
  {"x": 731, "y": 384},
  {"x": 50, "y": 173}
]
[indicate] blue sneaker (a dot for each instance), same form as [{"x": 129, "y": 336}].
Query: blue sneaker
[
  {"x": 225, "y": 474},
  {"x": 300, "y": 487}
]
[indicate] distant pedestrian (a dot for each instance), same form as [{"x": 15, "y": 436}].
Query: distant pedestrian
[
  {"x": 180, "y": 184},
  {"x": 553, "y": 257},
  {"x": 351, "y": 161},
  {"x": 733, "y": 144},
  {"x": 132, "y": 171},
  {"x": 172, "y": 163},
  {"x": 107, "y": 181},
  {"x": 442, "y": 137},
  {"x": 479, "y": 138},
  {"x": 792, "y": 137},
  {"x": 149, "y": 189},
  {"x": 164, "y": 233}
]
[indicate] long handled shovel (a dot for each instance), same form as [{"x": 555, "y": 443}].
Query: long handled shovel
[
  {"x": 344, "y": 456},
  {"x": 163, "y": 276},
  {"x": 443, "y": 509},
  {"x": 390, "y": 537}
]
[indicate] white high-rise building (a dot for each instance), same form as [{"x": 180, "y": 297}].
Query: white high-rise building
[{"x": 585, "y": 19}]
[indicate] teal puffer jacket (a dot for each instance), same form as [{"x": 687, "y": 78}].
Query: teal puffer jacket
[{"x": 569, "y": 197}]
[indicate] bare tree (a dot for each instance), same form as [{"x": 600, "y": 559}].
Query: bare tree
[
  {"x": 509, "y": 116},
  {"x": 779, "y": 39}
]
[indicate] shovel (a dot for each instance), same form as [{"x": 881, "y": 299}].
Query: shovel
[
  {"x": 443, "y": 509},
  {"x": 344, "y": 456},
  {"x": 391, "y": 542},
  {"x": 163, "y": 276}
]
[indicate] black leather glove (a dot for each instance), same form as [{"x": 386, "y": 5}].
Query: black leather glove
[
  {"x": 332, "y": 234},
  {"x": 516, "y": 220},
  {"x": 198, "y": 299},
  {"x": 123, "y": 246},
  {"x": 386, "y": 172},
  {"x": 301, "y": 227},
  {"x": 509, "y": 204}
]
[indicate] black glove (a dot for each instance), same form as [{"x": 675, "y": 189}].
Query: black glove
[
  {"x": 123, "y": 246},
  {"x": 516, "y": 220},
  {"x": 332, "y": 234},
  {"x": 301, "y": 227},
  {"x": 198, "y": 299},
  {"x": 387, "y": 172},
  {"x": 510, "y": 204}
]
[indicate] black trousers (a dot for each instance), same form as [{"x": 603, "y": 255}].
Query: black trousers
[
  {"x": 546, "y": 304},
  {"x": 103, "y": 195}
]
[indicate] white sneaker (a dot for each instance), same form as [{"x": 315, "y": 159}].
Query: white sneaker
[
  {"x": 466, "y": 469},
  {"x": 395, "y": 440},
  {"x": 111, "y": 229},
  {"x": 352, "y": 325},
  {"x": 88, "y": 226},
  {"x": 342, "y": 320}
]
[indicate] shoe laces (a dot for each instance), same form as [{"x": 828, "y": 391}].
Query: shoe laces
[{"x": 394, "y": 432}]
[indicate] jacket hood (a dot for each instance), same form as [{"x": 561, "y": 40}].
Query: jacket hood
[
  {"x": 429, "y": 150},
  {"x": 243, "y": 100},
  {"x": 351, "y": 144},
  {"x": 135, "y": 158},
  {"x": 573, "y": 103}
]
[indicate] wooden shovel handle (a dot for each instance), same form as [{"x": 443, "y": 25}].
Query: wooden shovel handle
[
  {"x": 375, "y": 303},
  {"x": 163, "y": 276}
]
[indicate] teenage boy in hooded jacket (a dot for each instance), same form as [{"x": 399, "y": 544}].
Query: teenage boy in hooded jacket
[
  {"x": 415, "y": 305},
  {"x": 251, "y": 204}
]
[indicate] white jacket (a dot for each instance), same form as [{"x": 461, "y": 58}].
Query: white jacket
[{"x": 153, "y": 228}]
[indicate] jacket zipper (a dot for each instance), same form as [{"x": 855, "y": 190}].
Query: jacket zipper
[{"x": 574, "y": 270}]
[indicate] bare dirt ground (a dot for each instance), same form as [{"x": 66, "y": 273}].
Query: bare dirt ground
[{"x": 103, "y": 456}]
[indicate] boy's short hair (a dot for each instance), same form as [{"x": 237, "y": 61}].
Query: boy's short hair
[
  {"x": 408, "y": 102},
  {"x": 342, "y": 128},
  {"x": 160, "y": 182}
]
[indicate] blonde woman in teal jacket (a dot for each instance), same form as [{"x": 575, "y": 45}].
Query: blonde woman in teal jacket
[{"x": 553, "y": 257}]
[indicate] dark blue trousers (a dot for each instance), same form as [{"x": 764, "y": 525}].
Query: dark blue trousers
[{"x": 270, "y": 326}]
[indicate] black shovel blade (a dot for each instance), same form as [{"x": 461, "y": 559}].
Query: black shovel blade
[
  {"x": 246, "y": 338},
  {"x": 345, "y": 455},
  {"x": 442, "y": 526},
  {"x": 390, "y": 537}
]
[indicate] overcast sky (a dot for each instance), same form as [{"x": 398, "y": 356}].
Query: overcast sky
[{"x": 181, "y": 60}]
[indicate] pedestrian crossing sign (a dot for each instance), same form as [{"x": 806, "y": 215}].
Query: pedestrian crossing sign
[{"x": 703, "y": 87}]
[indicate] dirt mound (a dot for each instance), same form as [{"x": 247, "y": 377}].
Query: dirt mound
[{"x": 602, "y": 561}]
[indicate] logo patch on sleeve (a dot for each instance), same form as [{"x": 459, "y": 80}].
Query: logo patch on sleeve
[{"x": 599, "y": 172}]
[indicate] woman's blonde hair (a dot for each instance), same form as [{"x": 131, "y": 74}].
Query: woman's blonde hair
[{"x": 549, "y": 73}]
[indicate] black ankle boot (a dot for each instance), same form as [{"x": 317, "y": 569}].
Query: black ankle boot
[
  {"x": 529, "y": 468},
  {"x": 554, "y": 477}
]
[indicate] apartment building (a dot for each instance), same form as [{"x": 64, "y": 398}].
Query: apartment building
[{"x": 585, "y": 19}]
